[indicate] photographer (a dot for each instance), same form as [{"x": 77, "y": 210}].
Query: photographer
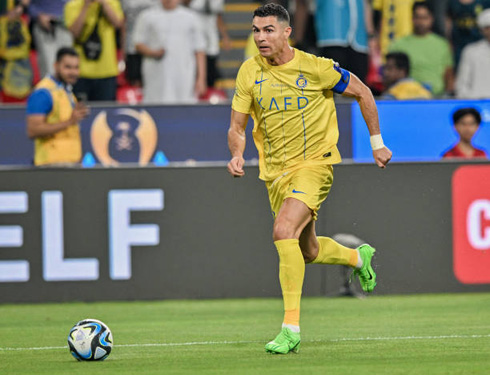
[
  {"x": 49, "y": 32},
  {"x": 93, "y": 24}
]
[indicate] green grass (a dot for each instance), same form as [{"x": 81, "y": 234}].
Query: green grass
[{"x": 424, "y": 334}]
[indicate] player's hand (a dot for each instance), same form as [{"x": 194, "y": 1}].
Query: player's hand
[
  {"x": 235, "y": 166},
  {"x": 79, "y": 112},
  {"x": 382, "y": 156}
]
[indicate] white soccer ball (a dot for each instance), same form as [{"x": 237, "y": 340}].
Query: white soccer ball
[{"x": 90, "y": 340}]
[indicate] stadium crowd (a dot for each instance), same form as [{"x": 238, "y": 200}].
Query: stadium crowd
[{"x": 166, "y": 51}]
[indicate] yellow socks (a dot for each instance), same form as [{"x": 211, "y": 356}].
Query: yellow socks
[
  {"x": 331, "y": 252},
  {"x": 291, "y": 276}
]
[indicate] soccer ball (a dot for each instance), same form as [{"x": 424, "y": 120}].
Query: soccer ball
[{"x": 90, "y": 340}]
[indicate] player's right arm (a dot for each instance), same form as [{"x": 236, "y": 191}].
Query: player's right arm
[
  {"x": 38, "y": 107},
  {"x": 236, "y": 142},
  {"x": 240, "y": 112}
]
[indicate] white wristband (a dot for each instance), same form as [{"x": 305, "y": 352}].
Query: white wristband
[{"x": 377, "y": 142}]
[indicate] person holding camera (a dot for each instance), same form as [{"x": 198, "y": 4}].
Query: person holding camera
[
  {"x": 49, "y": 32},
  {"x": 93, "y": 24}
]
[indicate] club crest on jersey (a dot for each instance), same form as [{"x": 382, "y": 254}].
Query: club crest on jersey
[{"x": 301, "y": 82}]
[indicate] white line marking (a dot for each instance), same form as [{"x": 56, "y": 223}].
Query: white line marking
[{"x": 192, "y": 343}]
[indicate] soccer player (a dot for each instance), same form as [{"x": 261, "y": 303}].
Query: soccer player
[{"x": 289, "y": 94}]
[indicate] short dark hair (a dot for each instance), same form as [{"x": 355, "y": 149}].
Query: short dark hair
[
  {"x": 272, "y": 9},
  {"x": 460, "y": 113},
  {"x": 401, "y": 60},
  {"x": 421, "y": 4},
  {"x": 63, "y": 51}
]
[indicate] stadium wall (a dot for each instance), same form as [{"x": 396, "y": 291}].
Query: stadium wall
[
  {"x": 158, "y": 233},
  {"x": 149, "y": 135}
]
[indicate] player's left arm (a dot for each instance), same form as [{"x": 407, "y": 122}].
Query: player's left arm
[{"x": 359, "y": 91}]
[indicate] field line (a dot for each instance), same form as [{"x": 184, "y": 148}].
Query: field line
[{"x": 192, "y": 343}]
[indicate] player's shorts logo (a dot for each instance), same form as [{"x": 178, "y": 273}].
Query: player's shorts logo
[{"x": 301, "y": 82}]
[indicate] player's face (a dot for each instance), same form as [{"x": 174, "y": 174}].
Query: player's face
[
  {"x": 391, "y": 74},
  {"x": 466, "y": 127},
  {"x": 270, "y": 35},
  {"x": 422, "y": 21},
  {"x": 68, "y": 69}
]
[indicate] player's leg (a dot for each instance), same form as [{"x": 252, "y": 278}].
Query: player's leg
[
  {"x": 290, "y": 221},
  {"x": 316, "y": 183},
  {"x": 324, "y": 249}
]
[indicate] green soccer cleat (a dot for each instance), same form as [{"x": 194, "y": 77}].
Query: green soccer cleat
[
  {"x": 366, "y": 274},
  {"x": 286, "y": 341}
]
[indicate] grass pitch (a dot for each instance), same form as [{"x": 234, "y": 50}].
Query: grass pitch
[{"x": 424, "y": 334}]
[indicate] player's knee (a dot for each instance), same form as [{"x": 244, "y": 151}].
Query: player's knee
[
  {"x": 283, "y": 231},
  {"x": 309, "y": 257}
]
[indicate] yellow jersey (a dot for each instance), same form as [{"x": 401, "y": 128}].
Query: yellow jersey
[
  {"x": 406, "y": 89},
  {"x": 64, "y": 146},
  {"x": 295, "y": 121},
  {"x": 106, "y": 65}
]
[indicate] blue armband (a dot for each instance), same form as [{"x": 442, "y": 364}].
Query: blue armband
[{"x": 342, "y": 84}]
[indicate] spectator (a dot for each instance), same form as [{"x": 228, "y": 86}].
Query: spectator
[
  {"x": 395, "y": 20},
  {"x": 466, "y": 123},
  {"x": 304, "y": 25},
  {"x": 93, "y": 24},
  {"x": 211, "y": 16},
  {"x": 49, "y": 32},
  {"x": 430, "y": 55},
  {"x": 343, "y": 30},
  {"x": 461, "y": 23},
  {"x": 15, "y": 40},
  {"x": 473, "y": 79},
  {"x": 131, "y": 9},
  {"x": 53, "y": 115},
  {"x": 172, "y": 44},
  {"x": 439, "y": 9},
  {"x": 396, "y": 79}
]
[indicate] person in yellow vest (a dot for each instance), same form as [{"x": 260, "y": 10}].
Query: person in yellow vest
[{"x": 53, "y": 114}]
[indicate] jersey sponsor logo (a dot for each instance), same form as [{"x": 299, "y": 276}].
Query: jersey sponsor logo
[
  {"x": 298, "y": 191},
  {"x": 301, "y": 82},
  {"x": 471, "y": 224},
  {"x": 262, "y": 80},
  {"x": 328, "y": 154},
  {"x": 283, "y": 104}
]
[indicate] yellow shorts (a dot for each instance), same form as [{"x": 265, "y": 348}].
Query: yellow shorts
[{"x": 310, "y": 185}]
